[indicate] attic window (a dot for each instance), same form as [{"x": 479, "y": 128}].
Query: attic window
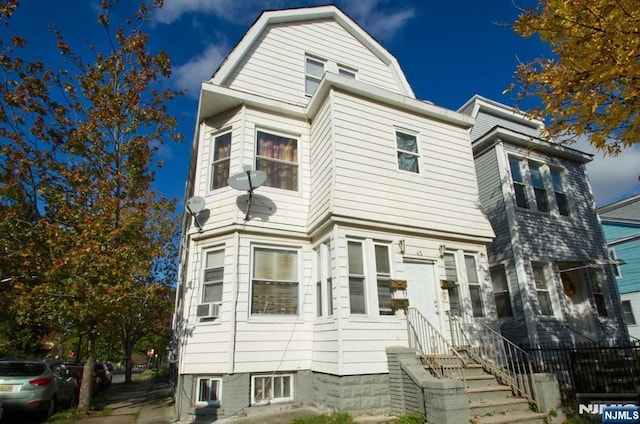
[
  {"x": 345, "y": 72},
  {"x": 313, "y": 70}
]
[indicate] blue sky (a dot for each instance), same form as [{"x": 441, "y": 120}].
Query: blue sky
[{"x": 449, "y": 51}]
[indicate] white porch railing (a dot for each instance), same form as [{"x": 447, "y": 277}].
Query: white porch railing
[
  {"x": 435, "y": 350},
  {"x": 510, "y": 364}
]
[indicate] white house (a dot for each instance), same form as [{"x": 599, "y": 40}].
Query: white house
[{"x": 291, "y": 293}]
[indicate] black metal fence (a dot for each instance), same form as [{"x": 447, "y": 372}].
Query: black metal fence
[{"x": 590, "y": 368}]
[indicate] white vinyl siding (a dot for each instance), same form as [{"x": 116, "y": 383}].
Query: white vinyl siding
[
  {"x": 368, "y": 185},
  {"x": 274, "y": 67}
]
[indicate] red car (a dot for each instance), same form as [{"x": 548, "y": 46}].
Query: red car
[{"x": 77, "y": 371}]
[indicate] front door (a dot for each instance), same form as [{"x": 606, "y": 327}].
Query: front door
[{"x": 423, "y": 292}]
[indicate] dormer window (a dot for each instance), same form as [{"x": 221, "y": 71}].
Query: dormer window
[{"x": 313, "y": 70}]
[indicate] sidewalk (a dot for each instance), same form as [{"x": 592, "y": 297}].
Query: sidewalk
[{"x": 144, "y": 402}]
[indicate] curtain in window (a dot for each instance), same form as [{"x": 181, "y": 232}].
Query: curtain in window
[
  {"x": 275, "y": 282},
  {"x": 278, "y": 157},
  {"x": 221, "y": 159},
  {"x": 407, "y": 152}
]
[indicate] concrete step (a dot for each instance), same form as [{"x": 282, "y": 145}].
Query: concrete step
[
  {"x": 486, "y": 393},
  {"x": 498, "y": 406},
  {"x": 529, "y": 417},
  {"x": 482, "y": 380}
]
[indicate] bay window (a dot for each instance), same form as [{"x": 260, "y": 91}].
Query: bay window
[
  {"x": 369, "y": 277},
  {"x": 221, "y": 160},
  {"x": 357, "y": 299},
  {"x": 542, "y": 289},
  {"x": 274, "y": 282},
  {"x": 538, "y": 188},
  {"x": 453, "y": 289},
  {"x": 277, "y": 156},
  {"x": 475, "y": 293},
  {"x": 558, "y": 189},
  {"x": 519, "y": 187}
]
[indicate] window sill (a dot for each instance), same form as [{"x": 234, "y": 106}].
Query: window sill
[
  {"x": 375, "y": 319},
  {"x": 270, "y": 319}
]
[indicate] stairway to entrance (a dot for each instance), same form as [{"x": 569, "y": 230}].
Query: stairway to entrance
[{"x": 489, "y": 401}]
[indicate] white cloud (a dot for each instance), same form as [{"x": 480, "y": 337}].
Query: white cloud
[
  {"x": 382, "y": 18},
  {"x": 199, "y": 68},
  {"x": 379, "y": 20},
  {"x": 612, "y": 177}
]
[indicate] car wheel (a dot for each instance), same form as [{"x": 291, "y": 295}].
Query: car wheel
[
  {"x": 73, "y": 402},
  {"x": 49, "y": 409}
]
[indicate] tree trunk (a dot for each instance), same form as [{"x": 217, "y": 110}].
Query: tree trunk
[
  {"x": 84, "y": 403},
  {"x": 128, "y": 367}
]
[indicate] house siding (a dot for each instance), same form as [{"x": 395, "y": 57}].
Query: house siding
[
  {"x": 322, "y": 158},
  {"x": 485, "y": 122},
  {"x": 369, "y": 186},
  {"x": 275, "y": 66}
]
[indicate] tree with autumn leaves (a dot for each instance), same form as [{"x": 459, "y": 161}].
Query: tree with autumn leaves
[
  {"x": 591, "y": 85},
  {"x": 80, "y": 224}
]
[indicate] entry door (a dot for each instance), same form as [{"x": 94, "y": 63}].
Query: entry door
[{"x": 423, "y": 292}]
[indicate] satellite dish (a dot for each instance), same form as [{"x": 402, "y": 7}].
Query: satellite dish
[
  {"x": 195, "y": 205},
  {"x": 247, "y": 181}
]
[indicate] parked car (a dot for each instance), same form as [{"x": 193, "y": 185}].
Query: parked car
[
  {"x": 35, "y": 386},
  {"x": 77, "y": 371},
  {"x": 105, "y": 375}
]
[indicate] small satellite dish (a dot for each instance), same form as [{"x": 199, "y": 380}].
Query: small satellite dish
[
  {"x": 194, "y": 206},
  {"x": 247, "y": 181}
]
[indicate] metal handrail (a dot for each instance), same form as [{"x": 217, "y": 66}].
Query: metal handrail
[
  {"x": 436, "y": 352},
  {"x": 510, "y": 364}
]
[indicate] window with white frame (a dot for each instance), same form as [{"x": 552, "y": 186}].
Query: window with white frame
[
  {"x": 596, "y": 277},
  {"x": 212, "y": 276},
  {"x": 519, "y": 187},
  {"x": 324, "y": 282},
  {"x": 271, "y": 388},
  {"x": 346, "y": 72},
  {"x": 558, "y": 190},
  {"x": 614, "y": 261},
  {"x": 407, "y": 151},
  {"x": 383, "y": 278},
  {"x": 475, "y": 292},
  {"x": 451, "y": 275},
  {"x": 501, "y": 292},
  {"x": 313, "y": 70},
  {"x": 209, "y": 391},
  {"x": 221, "y": 160},
  {"x": 627, "y": 311},
  {"x": 539, "y": 190},
  {"x": 542, "y": 289},
  {"x": 274, "y": 282},
  {"x": 357, "y": 299},
  {"x": 369, "y": 277},
  {"x": 277, "y": 156}
]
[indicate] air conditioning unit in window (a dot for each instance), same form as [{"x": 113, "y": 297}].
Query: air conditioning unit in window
[{"x": 208, "y": 310}]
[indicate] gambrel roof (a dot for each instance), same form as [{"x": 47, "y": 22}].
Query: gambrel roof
[{"x": 298, "y": 15}]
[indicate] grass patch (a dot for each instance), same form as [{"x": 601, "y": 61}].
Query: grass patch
[{"x": 334, "y": 418}]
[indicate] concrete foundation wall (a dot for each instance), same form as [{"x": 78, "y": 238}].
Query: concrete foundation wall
[{"x": 357, "y": 395}]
